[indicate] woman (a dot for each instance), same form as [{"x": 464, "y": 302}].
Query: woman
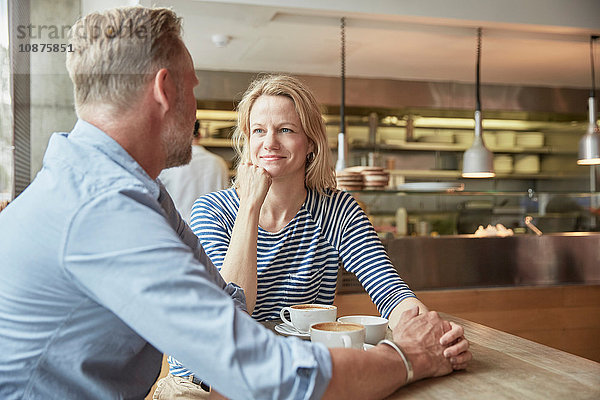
[
  {"x": 286, "y": 187},
  {"x": 283, "y": 230}
]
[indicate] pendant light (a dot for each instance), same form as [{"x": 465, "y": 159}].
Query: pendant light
[
  {"x": 589, "y": 144},
  {"x": 478, "y": 161},
  {"x": 342, "y": 144}
]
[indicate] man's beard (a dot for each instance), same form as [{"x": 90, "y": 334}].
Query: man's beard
[{"x": 178, "y": 144}]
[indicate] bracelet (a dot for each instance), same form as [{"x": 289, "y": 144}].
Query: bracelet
[{"x": 407, "y": 364}]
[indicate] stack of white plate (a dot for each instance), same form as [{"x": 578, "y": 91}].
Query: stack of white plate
[
  {"x": 446, "y": 137},
  {"x": 530, "y": 140},
  {"x": 374, "y": 178},
  {"x": 464, "y": 137},
  {"x": 349, "y": 180},
  {"x": 527, "y": 163},
  {"x": 489, "y": 139},
  {"x": 503, "y": 164},
  {"x": 431, "y": 187},
  {"x": 505, "y": 139}
]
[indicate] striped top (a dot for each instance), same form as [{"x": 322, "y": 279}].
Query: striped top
[{"x": 299, "y": 264}]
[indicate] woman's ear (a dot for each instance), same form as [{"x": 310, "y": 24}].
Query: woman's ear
[{"x": 163, "y": 90}]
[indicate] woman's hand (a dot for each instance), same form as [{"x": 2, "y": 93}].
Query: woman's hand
[
  {"x": 253, "y": 183},
  {"x": 239, "y": 265},
  {"x": 404, "y": 305}
]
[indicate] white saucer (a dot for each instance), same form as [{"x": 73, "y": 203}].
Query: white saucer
[
  {"x": 285, "y": 329},
  {"x": 367, "y": 346}
]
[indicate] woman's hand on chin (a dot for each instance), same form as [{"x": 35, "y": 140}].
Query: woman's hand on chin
[{"x": 253, "y": 183}]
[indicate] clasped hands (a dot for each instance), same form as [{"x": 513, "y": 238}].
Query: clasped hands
[{"x": 434, "y": 346}]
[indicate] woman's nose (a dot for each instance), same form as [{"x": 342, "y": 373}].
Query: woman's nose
[{"x": 271, "y": 141}]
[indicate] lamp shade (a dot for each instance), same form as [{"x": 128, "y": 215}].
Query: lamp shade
[
  {"x": 478, "y": 160},
  {"x": 589, "y": 147},
  {"x": 589, "y": 144}
]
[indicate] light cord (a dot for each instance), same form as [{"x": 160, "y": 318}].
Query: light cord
[
  {"x": 477, "y": 85},
  {"x": 593, "y": 89},
  {"x": 343, "y": 100}
]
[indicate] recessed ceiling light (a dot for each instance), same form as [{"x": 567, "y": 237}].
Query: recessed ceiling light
[{"x": 220, "y": 40}]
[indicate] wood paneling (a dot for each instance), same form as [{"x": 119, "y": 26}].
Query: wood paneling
[{"x": 563, "y": 317}]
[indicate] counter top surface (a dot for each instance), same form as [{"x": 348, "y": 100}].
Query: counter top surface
[{"x": 505, "y": 366}]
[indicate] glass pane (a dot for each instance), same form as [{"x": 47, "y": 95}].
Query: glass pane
[{"x": 6, "y": 118}]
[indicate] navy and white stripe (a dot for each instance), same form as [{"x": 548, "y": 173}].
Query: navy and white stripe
[{"x": 299, "y": 264}]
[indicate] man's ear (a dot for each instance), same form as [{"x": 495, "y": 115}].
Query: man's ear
[{"x": 163, "y": 90}]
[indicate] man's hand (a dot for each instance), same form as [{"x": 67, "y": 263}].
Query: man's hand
[
  {"x": 457, "y": 346},
  {"x": 421, "y": 338}
]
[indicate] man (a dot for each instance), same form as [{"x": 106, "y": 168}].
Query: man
[
  {"x": 205, "y": 173},
  {"x": 100, "y": 273}
]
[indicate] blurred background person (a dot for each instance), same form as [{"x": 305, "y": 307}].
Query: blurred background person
[{"x": 205, "y": 173}]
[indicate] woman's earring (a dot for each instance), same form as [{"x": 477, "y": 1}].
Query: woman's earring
[{"x": 310, "y": 157}]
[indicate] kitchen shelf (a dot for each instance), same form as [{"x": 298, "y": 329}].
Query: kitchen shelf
[
  {"x": 454, "y": 174},
  {"x": 557, "y": 156},
  {"x": 478, "y": 193},
  {"x": 416, "y": 146},
  {"x": 409, "y": 146},
  {"x": 228, "y": 143}
]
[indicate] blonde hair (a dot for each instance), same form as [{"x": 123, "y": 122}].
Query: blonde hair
[
  {"x": 118, "y": 51},
  {"x": 319, "y": 173}
]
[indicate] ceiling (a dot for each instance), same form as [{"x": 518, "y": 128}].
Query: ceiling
[{"x": 525, "y": 42}]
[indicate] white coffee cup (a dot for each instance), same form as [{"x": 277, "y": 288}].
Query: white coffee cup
[
  {"x": 338, "y": 334},
  {"x": 302, "y": 316},
  {"x": 376, "y": 327}
]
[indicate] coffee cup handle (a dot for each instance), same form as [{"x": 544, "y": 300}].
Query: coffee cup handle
[
  {"x": 284, "y": 319},
  {"x": 347, "y": 341}
]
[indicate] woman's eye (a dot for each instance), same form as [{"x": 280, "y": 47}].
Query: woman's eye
[
  {"x": 257, "y": 131},
  {"x": 286, "y": 130}
]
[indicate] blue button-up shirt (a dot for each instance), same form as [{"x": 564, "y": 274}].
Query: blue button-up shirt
[{"x": 99, "y": 276}]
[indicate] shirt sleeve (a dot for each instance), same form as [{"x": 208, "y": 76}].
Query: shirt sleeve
[
  {"x": 189, "y": 238},
  {"x": 121, "y": 252},
  {"x": 212, "y": 221},
  {"x": 363, "y": 254}
]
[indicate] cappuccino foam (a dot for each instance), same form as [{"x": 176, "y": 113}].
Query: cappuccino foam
[
  {"x": 337, "y": 327},
  {"x": 309, "y": 307}
]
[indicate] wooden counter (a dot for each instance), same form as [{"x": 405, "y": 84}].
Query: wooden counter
[
  {"x": 564, "y": 317},
  {"x": 505, "y": 366}
]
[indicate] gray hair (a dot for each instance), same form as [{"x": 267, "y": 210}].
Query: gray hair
[{"x": 118, "y": 51}]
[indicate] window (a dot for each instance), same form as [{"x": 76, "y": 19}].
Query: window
[{"x": 6, "y": 117}]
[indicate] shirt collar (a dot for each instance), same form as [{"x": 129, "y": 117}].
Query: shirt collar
[{"x": 94, "y": 136}]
